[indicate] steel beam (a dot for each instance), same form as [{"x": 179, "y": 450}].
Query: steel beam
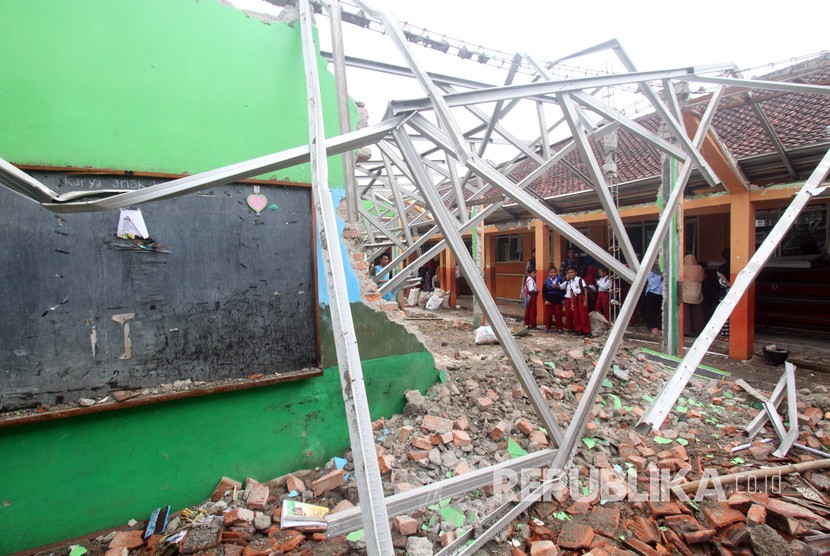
[
  {"x": 404, "y": 502},
  {"x": 770, "y": 407},
  {"x": 527, "y": 201},
  {"x": 396, "y": 194},
  {"x": 343, "y": 107},
  {"x": 23, "y": 184},
  {"x": 393, "y": 29},
  {"x": 400, "y": 278},
  {"x": 404, "y": 71},
  {"x": 782, "y": 86},
  {"x": 674, "y": 127},
  {"x": 367, "y": 473},
  {"x": 773, "y": 136},
  {"x": 598, "y": 181},
  {"x": 667, "y": 397},
  {"x": 368, "y": 218},
  {"x": 460, "y": 202},
  {"x": 577, "y": 425},
  {"x": 219, "y": 176},
  {"x": 495, "y": 126},
  {"x": 633, "y": 127},
  {"x": 582, "y": 414},
  {"x": 543, "y": 130},
  {"x": 540, "y": 89},
  {"x": 448, "y": 226},
  {"x": 497, "y": 114}
]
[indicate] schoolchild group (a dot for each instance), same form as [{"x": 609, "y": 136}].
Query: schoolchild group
[{"x": 569, "y": 294}]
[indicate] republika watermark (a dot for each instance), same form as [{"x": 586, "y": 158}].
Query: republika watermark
[{"x": 655, "y": 485}]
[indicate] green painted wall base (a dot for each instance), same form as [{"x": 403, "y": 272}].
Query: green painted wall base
[{"x": 64, "y": 478}]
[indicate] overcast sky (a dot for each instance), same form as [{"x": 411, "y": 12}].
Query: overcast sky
[{"x": 657, "y": 34}]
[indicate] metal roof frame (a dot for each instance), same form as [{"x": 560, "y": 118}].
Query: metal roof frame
[{"x": 417, "y": 200}]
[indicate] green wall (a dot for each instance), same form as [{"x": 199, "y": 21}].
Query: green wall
[
  {"x": 64, "y": 478},
  {"x": 376, "y": 336},
  {"x": 153, "y": 85},
  {"x": 177, "y": 86}
]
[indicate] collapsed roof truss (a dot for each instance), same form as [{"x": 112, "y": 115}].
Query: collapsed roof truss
[{"x": 411, "y": 196}]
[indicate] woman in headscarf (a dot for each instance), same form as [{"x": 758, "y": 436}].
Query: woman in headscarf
[{"x": 693, "y": 277}]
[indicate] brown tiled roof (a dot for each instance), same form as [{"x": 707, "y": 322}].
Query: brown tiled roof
[{"x": 798, "y": 119}]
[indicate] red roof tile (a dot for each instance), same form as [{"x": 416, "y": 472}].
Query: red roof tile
[{"x": 798, "y": 119}]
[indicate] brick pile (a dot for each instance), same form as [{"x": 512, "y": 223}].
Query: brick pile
[{"x": 480, "y": 416}]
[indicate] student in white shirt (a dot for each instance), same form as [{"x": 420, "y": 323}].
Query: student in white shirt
[
  {"x": 603, "y": 294},
  {"x": 531, "y": 293},
  {"x": 579, "y": 303}
]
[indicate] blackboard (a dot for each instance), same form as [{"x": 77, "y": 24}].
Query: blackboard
[{"x": 85, "y": 313}]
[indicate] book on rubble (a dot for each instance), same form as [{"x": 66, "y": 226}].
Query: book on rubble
[{"x": 299, "y": 515}]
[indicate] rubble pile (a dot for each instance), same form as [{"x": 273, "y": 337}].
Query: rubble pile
[{"x": 617, "y": 498}]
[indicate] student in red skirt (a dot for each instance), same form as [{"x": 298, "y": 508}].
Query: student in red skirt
[
  {"x": 530, "y": 292},
  {"x": 579, "y": 303}
]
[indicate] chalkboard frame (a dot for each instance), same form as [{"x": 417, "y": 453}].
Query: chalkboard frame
[{"x": 312, "y": 368}]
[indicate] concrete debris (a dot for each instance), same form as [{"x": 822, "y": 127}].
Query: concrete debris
[
  {"x": 419, "y": 546},
  {"x": 614, "y": 502}
]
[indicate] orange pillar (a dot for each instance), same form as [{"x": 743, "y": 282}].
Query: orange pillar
[
  {"x": 558, "y": 250},
  {"x": 541, "y": 241},
  {"x": 742, "y": 247},
  {"x": 448, "y": 275},
  {"x": 489, "y": 253}
]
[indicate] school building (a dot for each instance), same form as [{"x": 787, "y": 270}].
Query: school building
[{"x": 762, "y": 157}]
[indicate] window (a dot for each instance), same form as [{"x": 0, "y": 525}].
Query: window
[
  {"x": 807, "y": 236},
  {"x": 690, "y": 235},
  {"x": 640, "y": 234},
  {"x": 509, "y": 249}
]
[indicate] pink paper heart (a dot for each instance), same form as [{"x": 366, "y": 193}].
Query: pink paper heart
[{"x": 257, "y": 201}]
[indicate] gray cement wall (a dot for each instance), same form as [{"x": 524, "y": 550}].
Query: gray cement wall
[{"x": 82, "y": 316}]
